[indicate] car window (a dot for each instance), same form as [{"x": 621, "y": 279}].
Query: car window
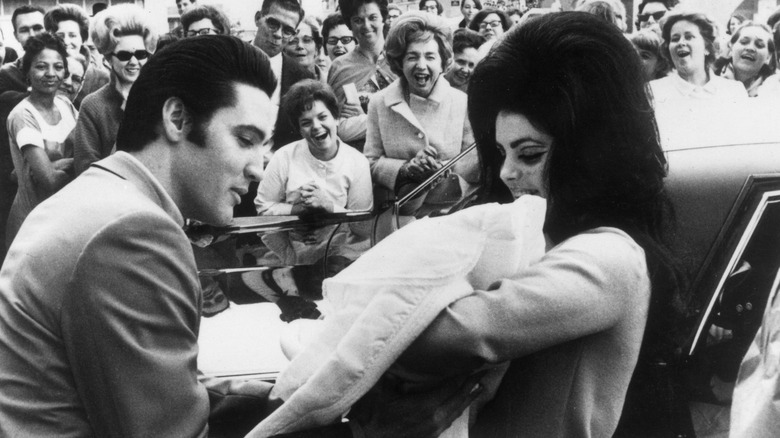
[{"x": 734, "y": 285}]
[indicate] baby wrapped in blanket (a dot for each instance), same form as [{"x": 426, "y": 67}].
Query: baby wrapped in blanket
[{"x": 385, "y": 299}]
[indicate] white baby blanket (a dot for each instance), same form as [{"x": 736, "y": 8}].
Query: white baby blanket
[{"x": 386, "y": 298}]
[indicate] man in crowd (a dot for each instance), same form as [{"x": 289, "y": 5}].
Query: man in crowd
[
  {"x": 182, "y": 6},
  {"x": 99, "y": 296},
  {"x": 277, "y": 21},
  {"x": 27, "y": 21}
]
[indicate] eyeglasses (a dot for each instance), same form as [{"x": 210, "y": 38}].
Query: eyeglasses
[
  {"x": 274, "y": 25},
  {"x": 124, "y": 55},
  {"x": 494, "y": 24},
  {"x": 656, "y": 16},
  {"x": 305, "y": 40},
  {"x": 344, "y": 40},
  {"x": 204, "y": 31}
]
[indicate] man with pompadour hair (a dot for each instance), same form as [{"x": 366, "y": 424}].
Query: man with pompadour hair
[{"x": 100, "y": 302}]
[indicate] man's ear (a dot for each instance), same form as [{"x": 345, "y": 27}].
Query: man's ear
[
  {"x": 176, "y": 120},
  {"x": 258, "y": 17}
]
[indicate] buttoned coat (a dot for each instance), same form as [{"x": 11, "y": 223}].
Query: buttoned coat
[{"x": 398, "y": 129}]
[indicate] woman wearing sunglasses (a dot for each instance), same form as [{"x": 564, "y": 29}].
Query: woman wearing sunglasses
[{"x": 123, "y": 35}]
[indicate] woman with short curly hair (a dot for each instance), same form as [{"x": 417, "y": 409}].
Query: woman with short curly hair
[{"x": 418, "y": 122}]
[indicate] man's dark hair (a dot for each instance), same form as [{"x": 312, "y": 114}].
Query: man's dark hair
[
  {"x": 349, "y": 9},
  {"x": 301, "y": 97},
  {"x": 287, "y": 5},
  {"x": 218, "y": 18},
  {"x": 23, "y": 10},
  {"x": 464, "y": 38},
  {"x": 66, "y": 12},
  {"x": 35, "y": 45},
  {"x": 202, "y": 73}
]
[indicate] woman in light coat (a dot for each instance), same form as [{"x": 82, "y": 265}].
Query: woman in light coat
[{"x": 418, "y": 122}]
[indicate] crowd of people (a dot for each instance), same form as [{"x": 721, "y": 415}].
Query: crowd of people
[{"x": 114, "y": 135}]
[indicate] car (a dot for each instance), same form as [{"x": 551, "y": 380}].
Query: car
[{"x": 724, "y": 184}]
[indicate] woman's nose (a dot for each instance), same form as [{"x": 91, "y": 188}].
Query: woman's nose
[{"x": 508, "y": 172}]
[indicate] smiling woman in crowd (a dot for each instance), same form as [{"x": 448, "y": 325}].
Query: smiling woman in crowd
[
  {"x": 337, "y": 37},
  {"x": 38, "y": 127},
  {"x": 304, "y": 47},
  {"x": 689, "y": 41},
  {"x": 546, "y": 126},
  {"x": 753, "y": 58},
  {"x": 123, "y": 35},
  {"x": 71, "y": 24},
  {"x": 318, "y": 174},
  {"x": 465, "y": 47},
  {"x": 356, "y": 76},
  {"x": 419, "y": 121}
]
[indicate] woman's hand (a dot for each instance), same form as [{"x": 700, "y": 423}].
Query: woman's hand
[
  {"x": 314, "y": 198},
  {"x": 422, "y": 166},
  {"x": 428, "y": 159}
]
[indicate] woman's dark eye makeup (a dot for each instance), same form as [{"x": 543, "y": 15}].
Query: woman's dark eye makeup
[{"x": 532, "y": 157}]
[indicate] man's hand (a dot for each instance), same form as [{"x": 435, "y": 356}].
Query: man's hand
[{"x": 388, "y": 412}]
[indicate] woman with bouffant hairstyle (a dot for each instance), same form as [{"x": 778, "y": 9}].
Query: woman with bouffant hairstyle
[
  {"x": 124, "y": 36},
  {"x": 602, "y": 297}
]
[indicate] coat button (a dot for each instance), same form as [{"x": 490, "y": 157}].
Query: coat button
[
  {"x": 420, "y": 135},
  {"x": 739, "y": 308}
]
